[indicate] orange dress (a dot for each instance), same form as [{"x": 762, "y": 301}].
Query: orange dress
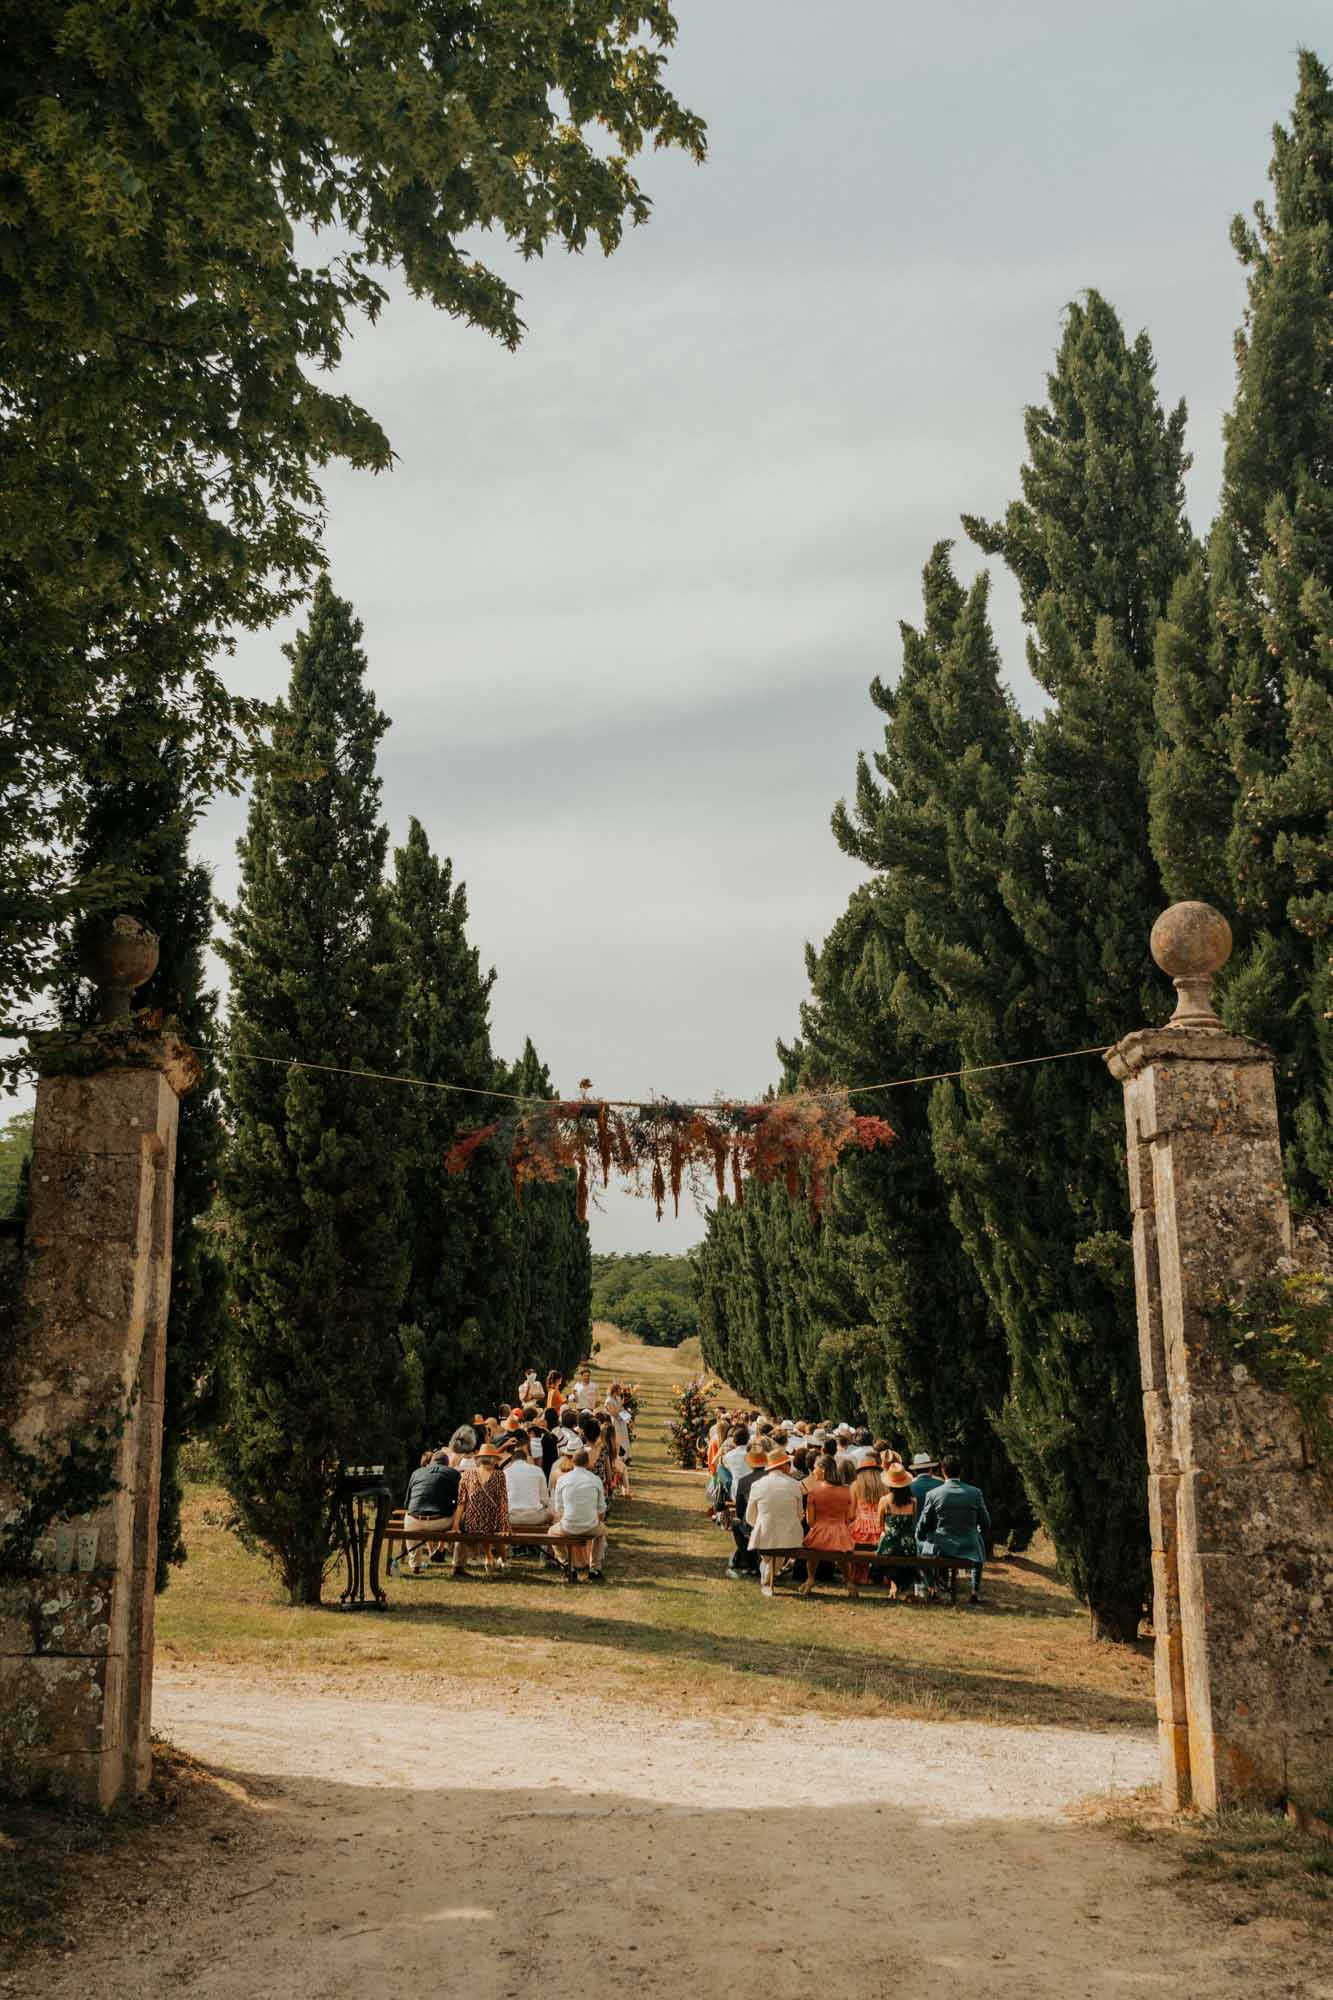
[{"x": 826, "y": 1511}]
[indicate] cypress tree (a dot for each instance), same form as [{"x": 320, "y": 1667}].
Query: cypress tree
[
  {"x": 551, "y": 1256},
  {"x": 929, "y": 820},
  {"x": 877, "y": 1309},
  {"x": 136, "y": 829},
  {"x": 461, "y": 1304},
  {"x": 1243, "y": 788},
  {"x": 1036, "y": 1156},
  {"x": 316, "y": 1237}
]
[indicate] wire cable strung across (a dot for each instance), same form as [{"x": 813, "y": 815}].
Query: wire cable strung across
[
  {"x": 665, "y": 1146},
  {"x": 649, "y": 1103}
]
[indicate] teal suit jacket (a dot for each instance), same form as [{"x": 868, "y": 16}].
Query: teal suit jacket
[{"x": 951, "y": 1520}]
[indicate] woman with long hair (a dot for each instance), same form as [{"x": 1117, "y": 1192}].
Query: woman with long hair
[
  {"x": 897, "y": 1527},
  {"x": 555, "y": 1390},
  {"x": 867, "y": 1492},
  {"x": 829, "y": 1508}
]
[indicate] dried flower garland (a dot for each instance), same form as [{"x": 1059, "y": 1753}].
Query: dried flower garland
[{"x": 664, "y": 1148}]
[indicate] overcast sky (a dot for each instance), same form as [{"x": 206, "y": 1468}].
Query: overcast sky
[{"x": 625, "y": 590}]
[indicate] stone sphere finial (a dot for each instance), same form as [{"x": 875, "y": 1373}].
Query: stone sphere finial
[
  {"x": 118, "y": 957},
  {"x": 1191, "y": 942}
]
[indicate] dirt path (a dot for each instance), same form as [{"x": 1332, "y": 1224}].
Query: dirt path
[
  {"x": 506, "y": 1838},
  {"x": 495, "y": 1849}
]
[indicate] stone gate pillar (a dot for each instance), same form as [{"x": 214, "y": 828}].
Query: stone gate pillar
[
  {"x": 76, "y": 1621},
  {"x": 1242, "y": 1547}
]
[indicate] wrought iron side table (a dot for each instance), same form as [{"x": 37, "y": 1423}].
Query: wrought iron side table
[{"x": 361, "y": 1488}]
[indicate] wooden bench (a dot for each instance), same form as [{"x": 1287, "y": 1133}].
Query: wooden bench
[
  {"x": 532, "y": 1538},
  {"x": 842, "y": 1559}
]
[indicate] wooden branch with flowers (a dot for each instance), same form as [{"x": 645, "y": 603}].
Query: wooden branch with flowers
[{"x": 663, "y": 1148}]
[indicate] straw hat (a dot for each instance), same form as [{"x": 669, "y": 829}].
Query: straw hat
[
  {"x": 898, "y": 1476},
  {"x": 755, "y": 1454},
  {"x": 923, "y": 1462},
  {"x": 488, "y": 1451},
  {"x": 777, "y": 1459}
]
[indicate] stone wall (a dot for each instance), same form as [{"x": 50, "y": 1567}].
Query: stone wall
[
  {"x": 89, "y": 1325},
  {"x": 1242, "y": 1529}
]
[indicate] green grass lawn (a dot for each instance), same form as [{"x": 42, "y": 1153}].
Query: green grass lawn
[{"x": 667, "y": 1625}]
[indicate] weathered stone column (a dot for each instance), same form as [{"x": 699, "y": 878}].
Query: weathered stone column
[
  {"x": 76, "y": 1630},
  {"x": 1242, "y": 1541}
]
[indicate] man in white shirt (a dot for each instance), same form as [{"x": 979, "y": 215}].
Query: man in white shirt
[
  {"x": 525, "y": 1483},
  {"x": 580, "y": 1509},
  {"x": 584, "y": 1391},
  {"x": 530, "y": 1389}
]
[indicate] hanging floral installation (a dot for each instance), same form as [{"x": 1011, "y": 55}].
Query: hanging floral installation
[{"x": 662, "y": 1148}]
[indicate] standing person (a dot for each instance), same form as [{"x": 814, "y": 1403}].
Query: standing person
[
  {"x": 773, "y": 1514},
  {"x": 829, "y": 1507},
  {"x": 530, "y": 1388},
  {"x": 432, "y": 1498},
  {"x": 580, "y": 1509},
  {"x": 584, "y": 1390},
  {"x": 897, "y": 1525},
  {"x": 483, "y": 1506},
  {"x": 743, "y": 1563},
  {"x": 952, "y": 1520},
  {"x": 555, "y": 1391}
]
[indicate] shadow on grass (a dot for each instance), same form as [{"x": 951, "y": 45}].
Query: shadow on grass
[{"x": 820, "y": 1667}]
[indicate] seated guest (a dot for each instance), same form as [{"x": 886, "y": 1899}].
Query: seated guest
[
  {"x": 569, "y": 1436},
  {"x": 483, "y": 1506},
  {"x": 432, "y": 1497},
  {"x": 547, "y": 1440},
  {"x": 867, "y": 1490},
  {"x": 829, "y": 1507},
  {"x": 773, "y": 1514},
  {"x": 897, "y": 1524},
  {"x": 732, "y": 1464},
  {"x": 952, "y": 1520},
  {"x": 924, "y": 1470},
  {"x": 580, "y": 1509},
  {"x": 462, "y": 1445},
  {"x": 864, "y": 1451},
  {"x": 526, "y": 1488},
  {"x": 743, "y": 1563}
]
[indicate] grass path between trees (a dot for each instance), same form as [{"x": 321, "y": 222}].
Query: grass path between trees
[{"x": 667, "y": 1626}]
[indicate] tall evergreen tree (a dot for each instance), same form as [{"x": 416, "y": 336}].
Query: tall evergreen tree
[
  {"x": 136, "y": 832},
  {"x": 461, "y": 1302},
  {"x": 1243, "y": 789},
  {"x": 1097, "y": 544},
  {"x": 314, "y": 1183},
  {"x": 879, "y": 1310},
  {"x": 929, "y": 820},
  {"x": 552, "y": 1256}
]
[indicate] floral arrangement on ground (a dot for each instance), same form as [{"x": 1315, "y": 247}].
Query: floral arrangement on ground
[
  {"x": 687, "y": 1432},
  {"x": 664, "y": 1148}
]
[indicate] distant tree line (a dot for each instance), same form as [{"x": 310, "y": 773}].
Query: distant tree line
[
  {"x": 650, "y": 1296},
  {"x": 971, "y": 1288}
]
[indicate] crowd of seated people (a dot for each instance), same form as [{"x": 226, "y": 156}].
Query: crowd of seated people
[
  {"x": 832, "y": 1489},
  {"x": 552, "y": 1463}
]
